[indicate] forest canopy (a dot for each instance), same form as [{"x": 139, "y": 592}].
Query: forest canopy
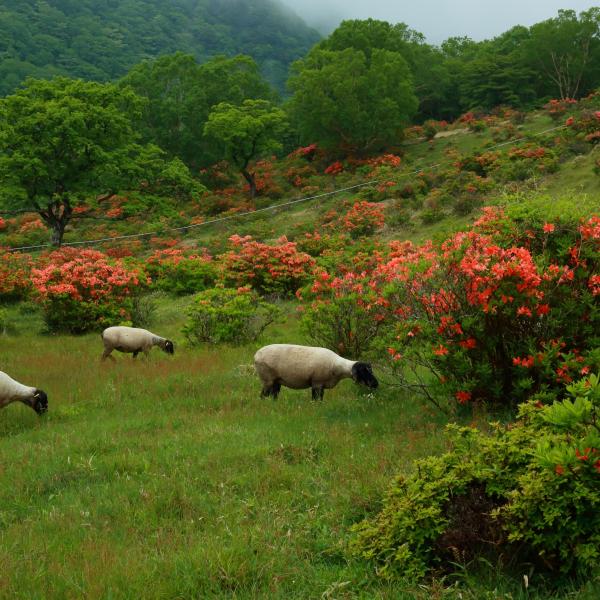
[{"x": 102, "y": 39}]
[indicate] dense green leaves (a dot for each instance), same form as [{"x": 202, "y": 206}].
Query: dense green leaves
[
  {"x": 102, "y": 40},
  {"x": 181, "y": 93},
  {"x": 350, "y": 100},
  {"x": 64, "y": 140},
  {"x": 529, "y": 490},
  {"x": 246, "y": 132}
]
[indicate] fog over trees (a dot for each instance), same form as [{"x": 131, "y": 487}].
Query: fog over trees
[{"x": 437, "y": 19}]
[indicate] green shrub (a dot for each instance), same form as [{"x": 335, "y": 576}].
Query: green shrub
[
  {"x": 530, "y": 490},
  {"x": 178, "y": 274},
  {"x": 228, "y": 315}
]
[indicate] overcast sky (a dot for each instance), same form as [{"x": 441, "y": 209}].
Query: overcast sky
[{"x": 437, "y": 19}]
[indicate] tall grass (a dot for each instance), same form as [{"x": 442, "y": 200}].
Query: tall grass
[{"x": 172, "y": 478}]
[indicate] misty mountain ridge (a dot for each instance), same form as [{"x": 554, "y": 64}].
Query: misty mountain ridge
[{"x": 102, "y": 39}]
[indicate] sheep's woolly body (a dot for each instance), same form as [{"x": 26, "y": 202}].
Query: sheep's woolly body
[
  {"x": 130, "y": 339},
  {"x": 13, "y": 391},
  {"x": 300, "y": 367}
]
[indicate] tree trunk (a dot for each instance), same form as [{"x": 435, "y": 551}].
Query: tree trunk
[
  {"x": 57, "y": 216},
  {"x": 249, "y": 177}
]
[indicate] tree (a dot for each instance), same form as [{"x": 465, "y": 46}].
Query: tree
[
  {"x": 347, "y": 100},
  {"x": 563, "y": 50},
  {"x": 64, "y": 140},
  {"x": 246, "y": 132},
  {"x": 180, "y": 94}
]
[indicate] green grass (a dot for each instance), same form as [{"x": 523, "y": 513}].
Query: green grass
[{"x": 172, "y": 478}]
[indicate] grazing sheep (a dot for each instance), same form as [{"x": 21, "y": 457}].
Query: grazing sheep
[
  {"x": 134, "y": 340},
  {"x": 301, "y": 367},
  {"x": 13, "y": 391}
]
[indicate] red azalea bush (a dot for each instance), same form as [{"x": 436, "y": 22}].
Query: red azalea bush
[
  {"x": 83, "y": 290},
  {"x": 492, "y": 314},
  {"x": 269, "y": 269},
  {"x": 362, "y": 219},
  {"x": 498, "y": 312},
  {"x": 556, "y": 109},
  {"x": 15, "y": 275},
  {"x": 175, "y": 272},
  {"x": 343, "y": 313}
]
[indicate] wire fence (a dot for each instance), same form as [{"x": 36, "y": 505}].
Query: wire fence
[{"x": 281, "y": 205}]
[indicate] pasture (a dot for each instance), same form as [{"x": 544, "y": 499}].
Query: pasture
[{"x": 172, "y": 478}]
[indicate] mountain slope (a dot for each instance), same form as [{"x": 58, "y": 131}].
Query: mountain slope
[{"x": 102, "y": 39}]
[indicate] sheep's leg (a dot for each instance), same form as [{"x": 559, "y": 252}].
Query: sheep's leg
[
  {"x": 275, "y": 390},
  {"x": 271, "y": 390},
  {"x": 317, "y": 393},
  {"x": 135, "y": 353},
  {"x": 107, "y": 354}
]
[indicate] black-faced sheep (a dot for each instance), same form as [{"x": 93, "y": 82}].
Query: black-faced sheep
[
  {"x": 13, "y": 391},
  {"x": 301, "y": 367},
  {"x": 133, "y": 340}
]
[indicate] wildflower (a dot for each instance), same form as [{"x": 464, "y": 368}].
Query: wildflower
[
  {"x": 549, "y": 227},
  {"x": 441, "y": 350},
  {"x": 463, "y": 397}
]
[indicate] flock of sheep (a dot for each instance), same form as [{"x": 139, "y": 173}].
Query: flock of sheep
[{"x": 290, "y": 365}]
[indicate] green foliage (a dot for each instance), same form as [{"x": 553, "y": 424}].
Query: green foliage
[
  {"x": 246, "y": 132},
  {"x": 64, "y": 140},
  {"x": 180, "y": 94},
  {"x": 228, "y": 315},
  {"x": 179, "y": 275},
  {"x": 351, "y": 100},
  {"x": 102, "y": 40},
  {"x": 533, "y": 483}
]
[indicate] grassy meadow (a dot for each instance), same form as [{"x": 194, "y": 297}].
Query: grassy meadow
[{"x": 172, "y": 478}]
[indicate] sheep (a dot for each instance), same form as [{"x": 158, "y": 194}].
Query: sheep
[
  {"x": 134, "y": 340},
  {"x": 13, "y": 391},
  {"x": 301, "y": 367}
]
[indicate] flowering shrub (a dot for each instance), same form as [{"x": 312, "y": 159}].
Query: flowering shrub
[
  {"x": 530, "y": 491},
  {"x": 178, "y": 273},
  {"x": 316, "y": 244},
  {"x": 362, "y": 219},
  {"x": 344, "y": 313},
  {"x": 227, "y": 315},
  {"x": 269, "y": 269},
  {"x": 82, "y": 290},
  {"x": 15, "y": 275},
  {"x": 334, "y": 168},
  {"x": 556, "y": 109},
  {"x": 497, "y": 312}
]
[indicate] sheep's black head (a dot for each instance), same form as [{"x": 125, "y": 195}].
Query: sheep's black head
[
  {"x": 39, "y": 402},
  {"x": 169, "y": 347},
  {"x": 363, "y": 373}
]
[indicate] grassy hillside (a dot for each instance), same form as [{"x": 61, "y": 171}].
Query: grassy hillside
[{"x": 171, "y": 477}]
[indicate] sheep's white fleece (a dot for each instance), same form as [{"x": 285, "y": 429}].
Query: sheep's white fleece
[
  {"x": 300, "y": 367},
  {"x": 129, "y": 339},
  {"x": 12, "y": 391}
]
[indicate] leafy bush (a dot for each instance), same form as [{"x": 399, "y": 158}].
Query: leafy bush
[
  {"x": 15, "y": 279},
  {"x": 176, "y": 273},
  {"x": 343, "y": 314},
  {"x": 531, "y": 490},
  {"x": 82, "y": 290},
  {"x": 228, "y": 315}
]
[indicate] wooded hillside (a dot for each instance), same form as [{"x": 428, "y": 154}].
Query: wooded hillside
[{"x": 102, "y": 39}]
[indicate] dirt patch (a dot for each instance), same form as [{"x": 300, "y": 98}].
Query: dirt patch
[{"x": 445, "y": 134}]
